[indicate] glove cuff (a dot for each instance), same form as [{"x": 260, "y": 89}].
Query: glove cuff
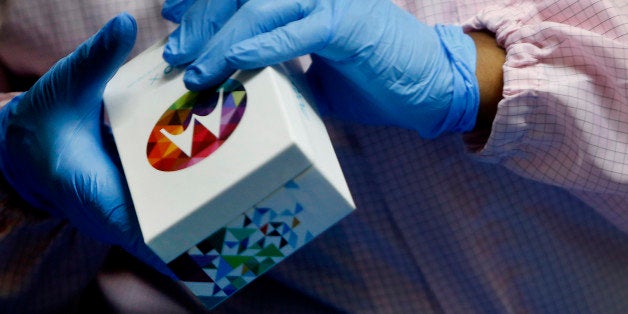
[{"x": 461, "y": 52}]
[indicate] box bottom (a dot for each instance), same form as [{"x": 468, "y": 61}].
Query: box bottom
[{"x": 261, "y": 237}]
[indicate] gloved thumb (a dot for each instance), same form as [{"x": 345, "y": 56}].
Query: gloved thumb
[{"x": 83, "y": 75}]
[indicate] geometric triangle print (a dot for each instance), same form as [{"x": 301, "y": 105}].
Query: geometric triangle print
[
  {"x": 237, "y": 281},
  {"x": 188, "y": 270},
  {"x": 244, "y": 244},
  {"x": 235, "y": 260},
  {"x": 231, "y": 244},
  {"x": 237, "y": 96},
  {"x": 223, "y": 269},
  {"x": 211, "y": 302},
  {"x": 265, "y": 265},
  {"x": 241, "y": 233},
  {"x": 283, "y": 242},
  {"x": 270, "y": 251},
  {"x": 213, "y": 242}
]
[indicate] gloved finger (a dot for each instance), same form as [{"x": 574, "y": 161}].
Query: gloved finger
[
  {"x": 295, "y": 39},
  {"x": 173, "y": 10},
  {"x": 119, "y": 214},
  {"x": 67, "y": 96},
  {"x": 82, "y": 75},
  {"x": 255, "y": 17},
  {"x": 103, "y": 206},
  {"x": 198, "y": 25},
  {"x": 99, "y": 202},
  {"x": 133, "y": 242}
]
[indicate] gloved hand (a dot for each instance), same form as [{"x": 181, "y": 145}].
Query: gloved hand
[
  {"x": 58, "y": 155},
  {"x": 408, "y": 74}
]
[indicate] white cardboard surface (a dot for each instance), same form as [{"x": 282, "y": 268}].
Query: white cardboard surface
[{"x": 278, "y": 138}]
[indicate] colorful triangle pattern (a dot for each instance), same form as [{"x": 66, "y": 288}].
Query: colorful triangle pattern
[{"x": 241, "y": 251}]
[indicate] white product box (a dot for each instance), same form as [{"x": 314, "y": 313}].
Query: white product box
[{"x": 225, "y": 182}]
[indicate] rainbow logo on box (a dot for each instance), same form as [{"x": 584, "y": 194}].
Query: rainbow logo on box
[{"x": 195, "y": 126}]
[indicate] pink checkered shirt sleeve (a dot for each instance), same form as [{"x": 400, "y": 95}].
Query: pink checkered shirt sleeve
[{"x": 564, "y": 116}]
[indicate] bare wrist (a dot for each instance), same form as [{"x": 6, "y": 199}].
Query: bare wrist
[{"x": 489, "y": 73}]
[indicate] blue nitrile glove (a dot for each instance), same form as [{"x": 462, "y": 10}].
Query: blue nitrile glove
[
  {"x": 410, "y": 74},
  {"x": 57, "y": 153}
]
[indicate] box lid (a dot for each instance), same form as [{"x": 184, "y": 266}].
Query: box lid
[{"x": 195, "y": 161}]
